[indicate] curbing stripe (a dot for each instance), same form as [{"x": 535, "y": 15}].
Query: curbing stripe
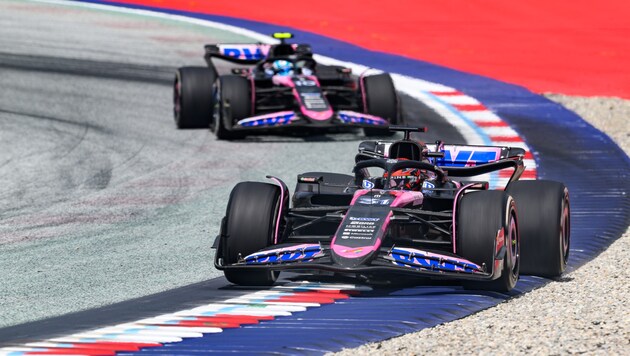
[
  {"x": 468, "y": 107},
  {"x": 249, "y": 309}
]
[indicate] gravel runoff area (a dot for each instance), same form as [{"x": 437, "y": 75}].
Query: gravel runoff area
[{"x": 583, "y": 312}]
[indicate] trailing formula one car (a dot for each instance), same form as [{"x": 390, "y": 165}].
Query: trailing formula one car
[
  {"x": 411, "y": 217},
  {"x": 279, "y": 87}
]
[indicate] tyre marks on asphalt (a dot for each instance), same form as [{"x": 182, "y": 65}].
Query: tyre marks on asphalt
[{"x": 165, "y": 186}]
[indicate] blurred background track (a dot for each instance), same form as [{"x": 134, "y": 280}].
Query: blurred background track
[{"x": 577, "y": 47}]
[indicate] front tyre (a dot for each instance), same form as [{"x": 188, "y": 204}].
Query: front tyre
[
  {"x": 233, "y": 103},
  {"x": 192, "y": 97},
  {"x": 484, "y": 220},
  {"x": 544, "y": 223},
  {"x": 380, "y": 100},
  {"x": 252, "y": 214}
]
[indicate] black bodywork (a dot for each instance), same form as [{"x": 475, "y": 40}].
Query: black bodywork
[
  {"x": 337, "y": 84},
  {"x": 406, "y": 238}
]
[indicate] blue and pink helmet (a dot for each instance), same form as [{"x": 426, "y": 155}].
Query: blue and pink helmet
[{"x": 283, "y": 67}]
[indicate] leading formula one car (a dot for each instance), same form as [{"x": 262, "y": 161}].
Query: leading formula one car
[
  {"x": 279, "y": 87},
  {"x": 410, "y": 217}
]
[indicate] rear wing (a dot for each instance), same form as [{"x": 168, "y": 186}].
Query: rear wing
[
  {"x": 473, "y": 160},
  {"x": 238, "y": 52},
  {"x": 247, "y": 53},
  {"x": 454, "y": 155},
  {"x": 472, "y": 155},
  {"x": 457, "y": 160}
]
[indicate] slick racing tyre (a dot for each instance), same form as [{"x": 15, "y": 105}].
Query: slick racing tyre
[
  {"x": 380, "y": 100},
  {"x": 480, "y": 216},
  {"x": 233, "y": 98},
  {"x": 544, "y": 223},
  {"x": 193, "y": 97},
  {"x": 252, "y": 213}
]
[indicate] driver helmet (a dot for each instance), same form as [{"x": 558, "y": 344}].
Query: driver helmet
[
  {"x": 283, "y": 67},
  {"x": 406, "y": 179}
]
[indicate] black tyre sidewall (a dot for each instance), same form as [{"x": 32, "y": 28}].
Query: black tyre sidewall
[
  {"x": 251, "y": 220},
  {"x": 544, "y": 224},
  {"x": 480, "y": 216},
  {"x": 381, "y": 100},
  {"x": 234, "y": 90},
  {"x": 193, "y": 94}
]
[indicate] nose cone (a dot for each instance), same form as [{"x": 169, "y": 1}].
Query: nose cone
[{"x": 360, "y": 234}]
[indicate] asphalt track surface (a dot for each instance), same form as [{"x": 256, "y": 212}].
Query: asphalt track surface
[
  {"x": 103, "y": 200},
  {"x": 157, "y": 215}
]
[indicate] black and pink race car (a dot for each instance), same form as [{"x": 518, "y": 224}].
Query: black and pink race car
[
  {"x": 408, "y": 209},
  {"x": 279, "y": 87}
]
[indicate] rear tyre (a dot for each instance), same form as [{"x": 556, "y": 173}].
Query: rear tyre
[
  {"x": 380, "y": 100},
  {"x": 193, "y": 97},
  {"x": 481, "y": 215},
  {"x": 233, "y": 103},
  {"x": 251, "y": 214},
  {"x": 544, "y": 223}
]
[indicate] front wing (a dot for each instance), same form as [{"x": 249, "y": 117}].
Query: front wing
[
  {"x": 402, "y": 260},
  {"x": 284, "y": 119}
]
